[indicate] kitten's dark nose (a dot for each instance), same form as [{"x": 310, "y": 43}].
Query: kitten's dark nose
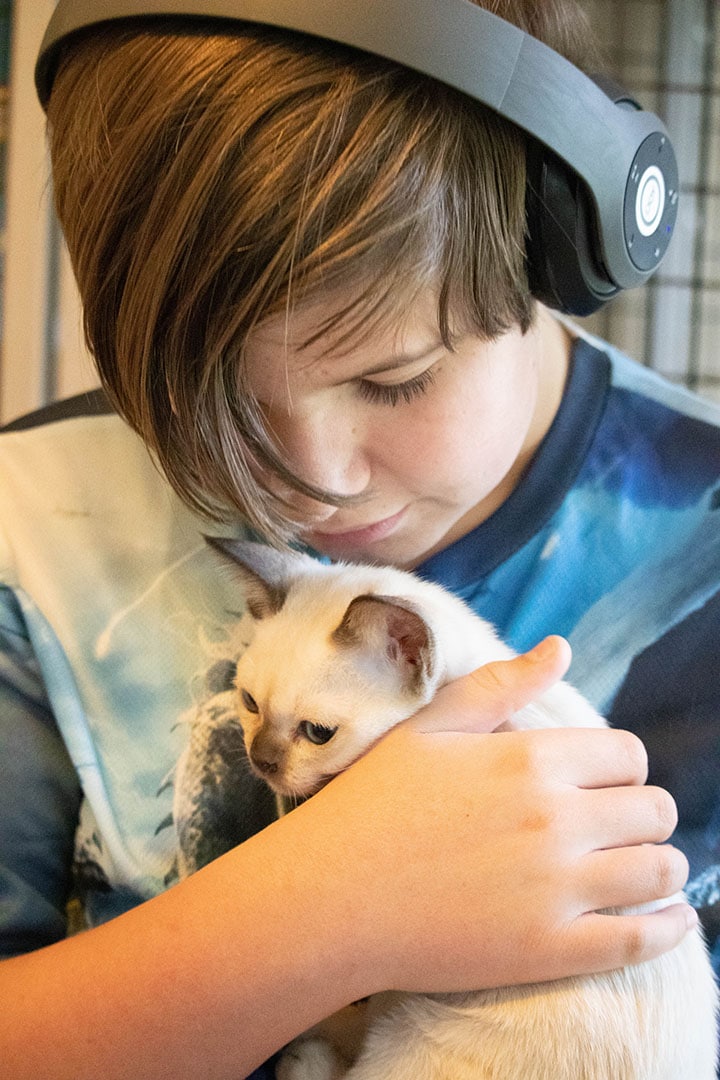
[
  {"x": 266, "y": 752},
  {"x": 267, "y": 768}
]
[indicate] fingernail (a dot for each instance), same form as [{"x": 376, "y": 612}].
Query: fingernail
[
  {"x": 691, "y": 917},
  {"x": 544, "y": 649}
]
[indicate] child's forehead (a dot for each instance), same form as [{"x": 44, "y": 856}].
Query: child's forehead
[{"x": 300, "y": 341}]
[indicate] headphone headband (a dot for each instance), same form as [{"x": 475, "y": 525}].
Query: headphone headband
[{"x": 622, "y": 155}]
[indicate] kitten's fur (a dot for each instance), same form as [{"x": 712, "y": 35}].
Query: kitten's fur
[{"x": 352, "y": 650}]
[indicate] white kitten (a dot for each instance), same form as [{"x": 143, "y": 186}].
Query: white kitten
[{"x": 339, "y": 655}]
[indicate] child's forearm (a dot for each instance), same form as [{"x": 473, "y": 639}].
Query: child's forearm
[{"x": 206, "y": 980}]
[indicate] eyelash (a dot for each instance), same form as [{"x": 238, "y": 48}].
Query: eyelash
[{"x": 394, "y": 394}]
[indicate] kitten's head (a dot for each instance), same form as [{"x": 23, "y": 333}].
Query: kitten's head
[{"x": 328, "y": 670}]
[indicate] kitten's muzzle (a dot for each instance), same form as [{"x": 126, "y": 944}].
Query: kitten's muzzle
[
  {"x": 266, "y": 753},
  {"x": 267, "y": 768}
]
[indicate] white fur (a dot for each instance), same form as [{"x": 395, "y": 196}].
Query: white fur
[{"x": 653, "y": 1021}]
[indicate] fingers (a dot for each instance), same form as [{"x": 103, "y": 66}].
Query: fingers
[
  {"x": 582, "y": 757},
  {"x": 624, "y": 816},
  {"x": 625, "y": 877},
  {"x": 604, "y": 942},
  {"x": 492, "y": 694},
  {"x": 618, "y": 757}
]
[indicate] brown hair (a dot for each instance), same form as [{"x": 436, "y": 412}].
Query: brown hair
[{"x": 207, "y": 180}]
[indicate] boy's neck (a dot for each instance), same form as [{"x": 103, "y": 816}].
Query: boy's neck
[
  {"x": 555, "y": 344},
  {"x": 552, "y": 347}
]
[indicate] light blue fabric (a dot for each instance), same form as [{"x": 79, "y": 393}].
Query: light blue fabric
[{"x": 117, "y": 611}]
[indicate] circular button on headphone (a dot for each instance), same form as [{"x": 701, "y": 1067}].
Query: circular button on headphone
[{"x": 651, "y": 201}]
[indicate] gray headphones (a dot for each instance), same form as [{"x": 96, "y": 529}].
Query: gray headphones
[{"x": 602, "y": 176}]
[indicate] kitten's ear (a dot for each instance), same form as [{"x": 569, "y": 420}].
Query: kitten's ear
[
  {"x": 393, "y": 629},
  {"x": 264, "y": 572}
]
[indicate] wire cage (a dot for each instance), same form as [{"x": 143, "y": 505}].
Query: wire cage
[{"x": 668, "y": 53}]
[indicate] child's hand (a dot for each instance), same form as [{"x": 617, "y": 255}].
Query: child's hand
[
  {"x": 470, "y": 860},
  {"x": 445, "y": 859}
]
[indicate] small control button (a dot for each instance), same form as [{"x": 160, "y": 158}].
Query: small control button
[{"x": 650, "y": 202}]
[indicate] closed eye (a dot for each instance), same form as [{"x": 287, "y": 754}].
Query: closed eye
[
  {"x": 395, "y": 393},
  {"x": 249, "y": 702},
  {"x": 317, "y": 734}
]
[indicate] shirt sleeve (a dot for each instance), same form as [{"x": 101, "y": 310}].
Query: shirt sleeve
[{"x": 39, "y": 798}]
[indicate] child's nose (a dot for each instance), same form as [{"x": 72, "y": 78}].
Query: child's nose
[{"x": 329, "y": 452}]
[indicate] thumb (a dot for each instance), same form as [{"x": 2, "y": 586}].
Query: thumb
[{"x": 493, "y": 693}]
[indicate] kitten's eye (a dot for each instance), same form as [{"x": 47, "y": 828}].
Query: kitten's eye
[
  {"x": 249, "y": 702},
  {"x": 316, "y": 733}
]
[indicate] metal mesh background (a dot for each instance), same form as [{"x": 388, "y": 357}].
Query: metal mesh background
[{"x": 668, "y": 53}]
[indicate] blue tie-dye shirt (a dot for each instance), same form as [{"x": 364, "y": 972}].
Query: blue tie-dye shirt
[{"x": 117, "y": 634}]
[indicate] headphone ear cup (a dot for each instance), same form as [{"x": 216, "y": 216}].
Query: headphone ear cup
[{"x": 562, "y": 241}]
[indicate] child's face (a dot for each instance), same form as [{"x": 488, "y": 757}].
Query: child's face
[{"x": 433, "y": 441}]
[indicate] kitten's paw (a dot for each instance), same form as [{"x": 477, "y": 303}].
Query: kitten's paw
[{"x": 310, "y": 1059}]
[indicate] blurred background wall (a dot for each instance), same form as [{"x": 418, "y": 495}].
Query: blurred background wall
[
  {"x": 668, "y": 53},
  {"x": 665, "y": 51}
]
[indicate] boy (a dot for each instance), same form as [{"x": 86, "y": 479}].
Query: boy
[{"x": 305, "y": 285}]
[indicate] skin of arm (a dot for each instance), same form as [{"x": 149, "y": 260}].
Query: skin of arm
[{"x": 352, "y": 893}]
